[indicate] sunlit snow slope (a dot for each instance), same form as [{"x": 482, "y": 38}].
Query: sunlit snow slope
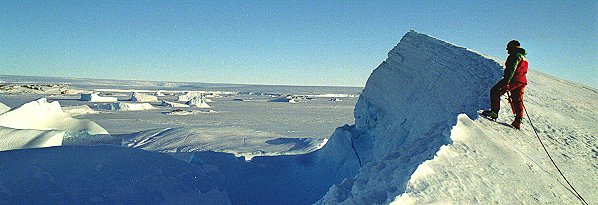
[{"x": 416, "y": 147}]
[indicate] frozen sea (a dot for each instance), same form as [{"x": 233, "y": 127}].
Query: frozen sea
[{"x": 315, "y": 117}]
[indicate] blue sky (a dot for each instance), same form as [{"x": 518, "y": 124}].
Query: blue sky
[{"x": 281, "y": 42}]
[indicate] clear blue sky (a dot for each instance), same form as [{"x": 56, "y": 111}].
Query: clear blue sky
[{"x": 281, "y": 42}]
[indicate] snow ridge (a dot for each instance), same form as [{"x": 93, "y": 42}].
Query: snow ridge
[{"x": 406, "y": 111}]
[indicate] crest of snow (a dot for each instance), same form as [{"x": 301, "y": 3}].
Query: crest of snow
[
  {"x": 43, "y": 115},
  {"x": 94, "y": 97},
  {"x": 406, "y": 111},
  {"x": 123, "y": 106},
  {"x": 3, "y": 108},
  {"x": 187, "y": 139},
  {"x": 173, "y": 104},
  {"x": 78, "y": 110},
  {"x": 140, "y": 97}
]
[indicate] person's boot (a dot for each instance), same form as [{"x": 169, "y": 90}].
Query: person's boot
[
  {"x": 516, "y": 123},
  {"x": 493, "y": 115}
]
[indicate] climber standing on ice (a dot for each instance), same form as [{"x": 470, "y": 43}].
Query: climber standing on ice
[{"x": 513, "y": 81}]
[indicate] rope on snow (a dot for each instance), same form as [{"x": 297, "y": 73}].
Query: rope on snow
[{"x": 551, "y": 160}]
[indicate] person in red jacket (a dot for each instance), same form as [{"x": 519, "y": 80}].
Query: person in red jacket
[{"x": 513, "y": 80}]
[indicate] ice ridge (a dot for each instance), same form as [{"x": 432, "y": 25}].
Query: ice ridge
[{"x": 406, "y": 111}]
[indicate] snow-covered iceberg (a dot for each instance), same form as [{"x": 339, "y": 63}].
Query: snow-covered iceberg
[
  {"x": 43, "y": 115},
  {"x": 140, "y": 97},
  {"x": 173, "y": 104},
  {"x": 78, "y": 110},
  {"x": 94, "y": 97},
  {"x": 198, "y": 102},
  {"x": 41, "y": 124},
  {"x": 190, "y": 95},
  {"x": 123, "y": 106}
]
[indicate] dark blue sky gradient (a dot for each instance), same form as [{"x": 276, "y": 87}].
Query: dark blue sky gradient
[{"x": 281, "y": 42}]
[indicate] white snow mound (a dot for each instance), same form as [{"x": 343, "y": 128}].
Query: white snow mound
[{"x": 43, "y": 115}]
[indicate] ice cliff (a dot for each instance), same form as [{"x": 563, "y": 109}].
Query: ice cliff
[{"x": 405, "y": 114}]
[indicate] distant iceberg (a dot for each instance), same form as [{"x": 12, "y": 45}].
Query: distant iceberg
[
  {"x": 140, "y": 97},
  {"x": 123, "y": 106},
  {"x": 173, "y": 104},
  {"x": 41, "y": 124},
  {"x": 289, "y": 99},
  {"x": 94, "y": 97},
  {"x": 78, "y": 110},
  {"x": 198, "y": 102}
]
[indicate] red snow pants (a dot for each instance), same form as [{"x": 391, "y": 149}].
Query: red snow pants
[{"x": 516, "y": 89}]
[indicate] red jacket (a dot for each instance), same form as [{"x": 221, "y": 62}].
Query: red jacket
[{"x": 516, "y": 67}]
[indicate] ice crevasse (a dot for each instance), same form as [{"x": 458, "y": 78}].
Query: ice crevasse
[{"x": 405, "y": 115}]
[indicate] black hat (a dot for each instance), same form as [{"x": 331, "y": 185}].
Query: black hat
[{"x": 513, "y": 44}]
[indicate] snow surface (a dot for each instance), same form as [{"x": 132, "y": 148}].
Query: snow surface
[
  {"x": 188, "y": 140},
  {"x": 104, "y": 175}
]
